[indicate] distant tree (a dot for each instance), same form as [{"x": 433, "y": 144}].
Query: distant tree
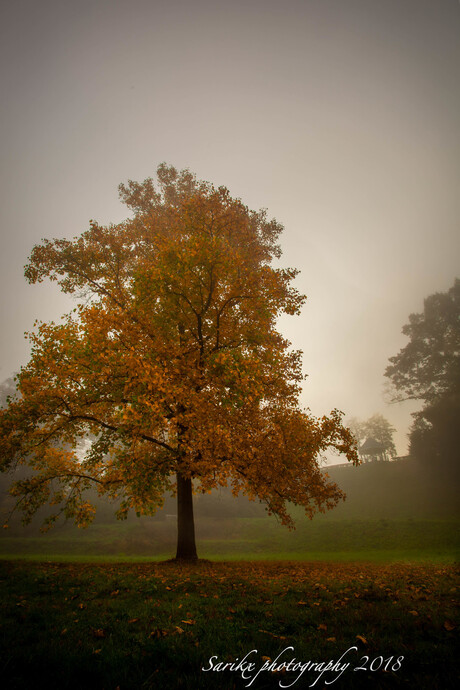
[
  {"x": 356, "y": 427},
  {"x": 434, "y": 436},
  {"x": 172, "y": 362},
  {"x": 428, "y": 369},
  {"x": 376, "y": 429},
  {"x": 380, "y": 429}
]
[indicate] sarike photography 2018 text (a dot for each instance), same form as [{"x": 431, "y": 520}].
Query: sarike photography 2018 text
[{"x": 292, "y": 669}]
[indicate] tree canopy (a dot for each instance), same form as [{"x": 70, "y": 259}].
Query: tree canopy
[
  {"x": 428, "y": 366},
  {"x": 170, "y": 364},
  {"x": 428, "y": 369}
]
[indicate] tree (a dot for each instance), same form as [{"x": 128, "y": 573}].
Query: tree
[
  {"x": 428, "y": 369},
  {"x": 379, "y": 430},
  {"x": 434, "y": 437},
  {"x": 357, "y": 428},
  {"x": 171, "y": 362}
]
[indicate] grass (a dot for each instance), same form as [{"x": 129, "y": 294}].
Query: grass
[
  {"x": 392, "y": 512},
  {"x": 156, "y": 625},
  {"x": 377, "y": 557},
  {"x": 106, "y": 611},
  {"x": 374, "y": 540}
]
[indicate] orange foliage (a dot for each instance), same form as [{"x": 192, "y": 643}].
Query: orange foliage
[{"x": 170, "y": 364}]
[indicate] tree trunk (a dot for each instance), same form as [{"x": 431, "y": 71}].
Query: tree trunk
[{"x": 186, "y": 547}]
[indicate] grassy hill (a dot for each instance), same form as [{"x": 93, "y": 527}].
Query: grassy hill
[{"x": 392, "y": 513}]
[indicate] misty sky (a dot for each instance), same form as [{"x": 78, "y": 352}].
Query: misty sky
[{"x": 341, "y": 117}]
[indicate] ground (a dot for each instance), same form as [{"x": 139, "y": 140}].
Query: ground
[{"x": 166, "y": 625}]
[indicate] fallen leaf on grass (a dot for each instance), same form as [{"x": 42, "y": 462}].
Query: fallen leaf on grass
[
  {"x": 449, "y": 626},
  {"x": 321, "y": 626},
  {"x": 331, "y": 639},
  {"x": 189, "y": 622},
  {"x": 159, "y": 633},
  {"x": 98, "y": 633},
  {"x": 278, "y": 637},
  {"x": 362, "y": 639},
  {"x": 179, "y": 630}
]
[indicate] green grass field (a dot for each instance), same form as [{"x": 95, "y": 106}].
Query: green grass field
[
  {"x": 373, "y": 540},
  {"x": 373, "y": 583},
  {"x": 142, "y": 626},
  {"x": 392, "y": 512}
]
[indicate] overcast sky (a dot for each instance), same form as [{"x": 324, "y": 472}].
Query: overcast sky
[{"x": 341, "y": 117}]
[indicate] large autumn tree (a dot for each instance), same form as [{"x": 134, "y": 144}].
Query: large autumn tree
[{"x": 171, "y": 365}]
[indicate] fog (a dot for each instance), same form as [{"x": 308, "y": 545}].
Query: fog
[
  {"x": 338, "y": 116},
  {"x": 393, "y": 511}
]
